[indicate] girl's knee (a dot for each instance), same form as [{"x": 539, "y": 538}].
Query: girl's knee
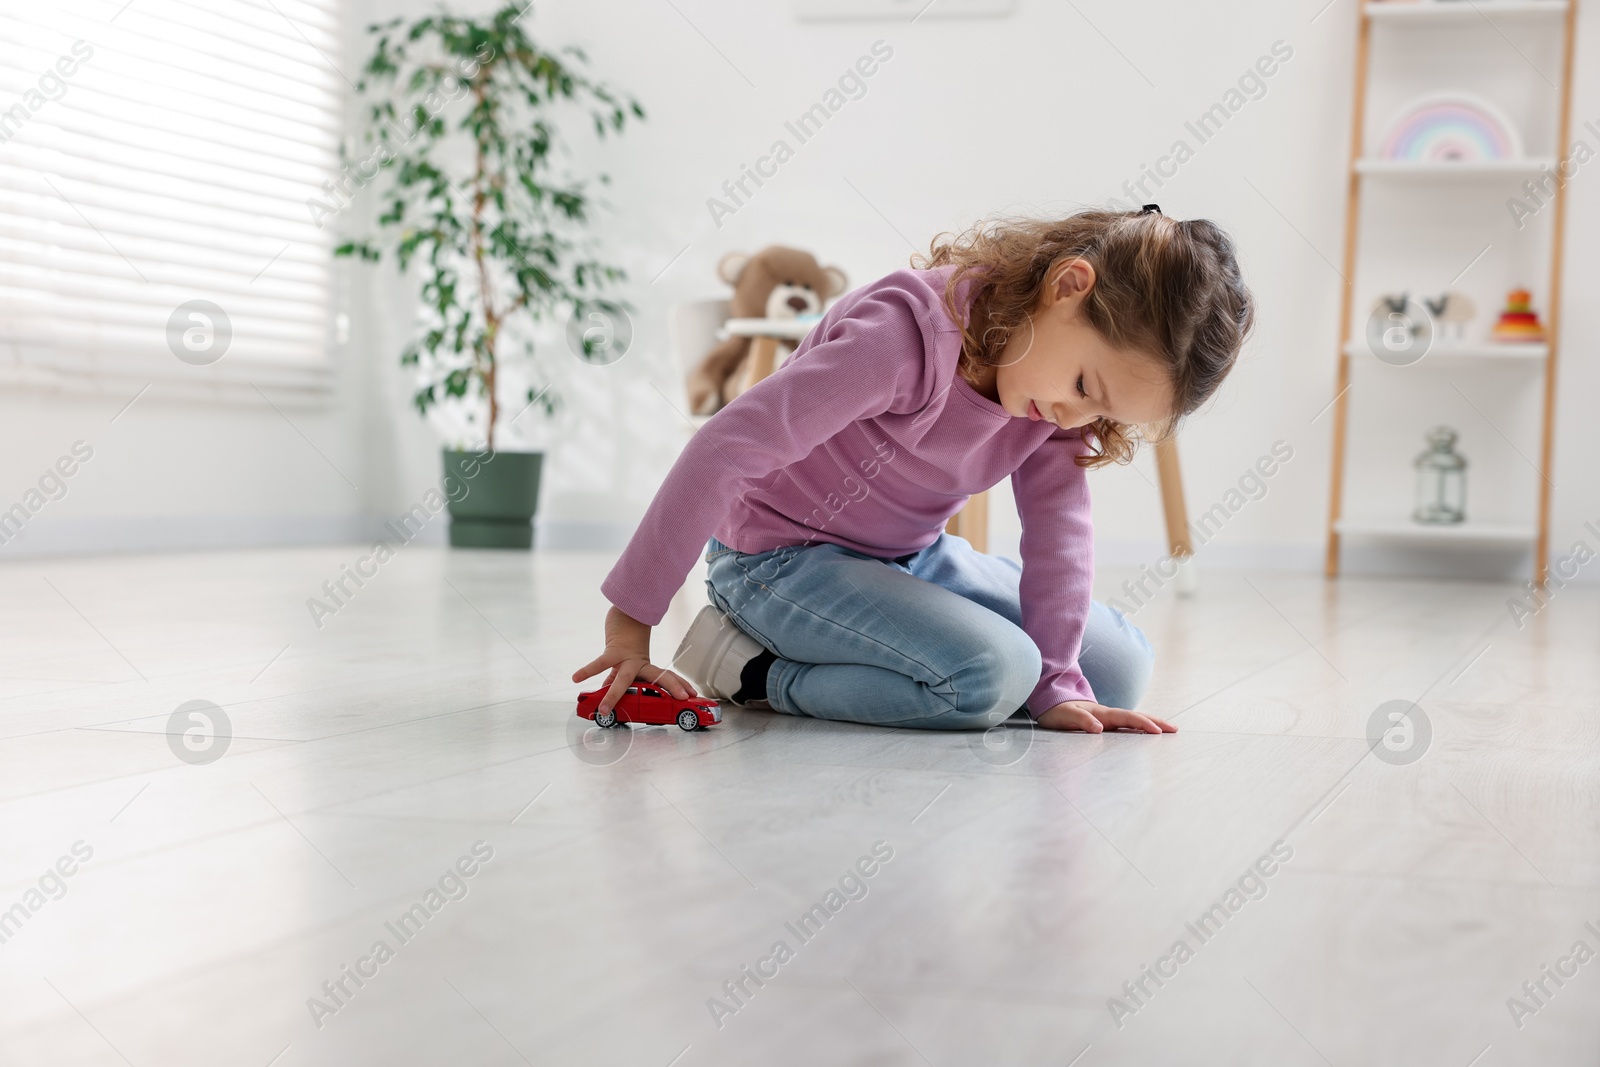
[
  {"x": 1117, "y": 661},
  {"x": 998, "y": 681}
]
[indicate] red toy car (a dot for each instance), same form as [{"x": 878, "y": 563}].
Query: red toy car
[{"x": 650, "y": 704}]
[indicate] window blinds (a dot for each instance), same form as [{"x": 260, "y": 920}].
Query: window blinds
[{"x": 159, "y": 152}]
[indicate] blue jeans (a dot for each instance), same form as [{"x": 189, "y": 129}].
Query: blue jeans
[{"x": 932, "y": 640}]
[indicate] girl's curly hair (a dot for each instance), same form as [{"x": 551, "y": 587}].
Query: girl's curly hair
[{"x": 1168, "y": 289}]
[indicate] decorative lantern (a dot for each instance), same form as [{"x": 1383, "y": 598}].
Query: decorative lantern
[{"x": 1441, "y": 480}]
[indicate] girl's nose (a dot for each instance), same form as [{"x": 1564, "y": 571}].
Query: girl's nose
[{"x": 1071, "y": 417}]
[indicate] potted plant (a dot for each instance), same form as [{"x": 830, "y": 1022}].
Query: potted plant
[{"x": 461, "y": 111}]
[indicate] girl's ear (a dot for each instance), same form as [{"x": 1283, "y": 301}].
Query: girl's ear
[
  {"x": 731, "y": 266},
  {"x": 836, "y": 281},
  {"x": 1074, "y": 277}
]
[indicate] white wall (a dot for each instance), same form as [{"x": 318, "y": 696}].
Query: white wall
[
  {"x": 1048, "y": 110},
  {"x": 1044, "y": 111}
]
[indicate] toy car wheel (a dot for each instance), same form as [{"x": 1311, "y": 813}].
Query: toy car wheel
[
  {"x": 688, "y": 720},
  {"x": 605, "y": 719}
]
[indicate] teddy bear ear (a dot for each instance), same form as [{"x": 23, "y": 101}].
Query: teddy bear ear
[
  {"x": 837, "y": 281},
  {"x": 731, "y": 266}
]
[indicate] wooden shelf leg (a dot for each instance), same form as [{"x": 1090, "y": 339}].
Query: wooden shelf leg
[
  {"x": 1541, "y": 547},
  {"x": 1176, "y": 513},
  {"x": 1172, "y": 504},
  {"x": 1352, "y": 211}
]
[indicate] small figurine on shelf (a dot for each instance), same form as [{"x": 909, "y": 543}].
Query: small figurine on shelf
[
  {"x": 1519, "y": 323},
  {"x": 1441, "y": 480},
  {"x": 1399, "y": 330},
  {"x": 1451, "y": 312}
]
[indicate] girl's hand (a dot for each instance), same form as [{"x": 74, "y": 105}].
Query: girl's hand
[
  {"x": 628, "y": 655},
  {"x": 1092, "y": 718}
]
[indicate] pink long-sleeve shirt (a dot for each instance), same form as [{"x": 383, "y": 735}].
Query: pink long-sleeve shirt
[{"x": 867, "y": 437}]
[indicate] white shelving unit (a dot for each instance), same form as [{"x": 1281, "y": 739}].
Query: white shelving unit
[
  {"x": 1451, "y": 352},
  {"x": 1509, "y": 533},
  {"x": 1403, "y": 170},
  {"x": 1432, "y": 194},
  {"x": 1441, "y": 11}
]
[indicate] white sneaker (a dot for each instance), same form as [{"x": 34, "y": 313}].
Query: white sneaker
[{"x": 714, "y": 652}]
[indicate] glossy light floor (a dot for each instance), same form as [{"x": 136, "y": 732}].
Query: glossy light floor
[{"x": 1030, "y": 875}]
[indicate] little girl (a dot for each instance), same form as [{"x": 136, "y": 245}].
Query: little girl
[{"x": 1028, "y": 348}]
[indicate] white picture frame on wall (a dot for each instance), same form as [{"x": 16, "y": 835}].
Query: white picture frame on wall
[{"x": 900, "y": 10}]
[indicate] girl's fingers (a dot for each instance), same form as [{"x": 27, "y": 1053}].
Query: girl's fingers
[
  {"x": 1069, "y": 716},
  {"x": 1151, "y": 724},
  {"x": 619, "y": 685},
  {"x": 1133, "y": 720},
  {"x": 683, "y": 684},
  {"x": 671, "y": 681},
  {"x": 664, "y": 678},
  {"x": 592, "y": 668},
  {"x": 1094, "y": 718},
  {"x": 626, "y": 672},
  {"x": 1083, "y": 720}
]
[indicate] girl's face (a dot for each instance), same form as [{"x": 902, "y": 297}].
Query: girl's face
[{"x": 1063, "y": 371}]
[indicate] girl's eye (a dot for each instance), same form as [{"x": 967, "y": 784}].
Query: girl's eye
[{"x": 1080, "y": 386}]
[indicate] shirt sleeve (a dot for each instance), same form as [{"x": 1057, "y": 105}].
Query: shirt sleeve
[
  {"x": 874, "y": 357},
  {"x": 1052, "y": 494}
]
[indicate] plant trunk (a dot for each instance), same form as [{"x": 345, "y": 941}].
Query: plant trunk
[{"x": 491, "y": 321}]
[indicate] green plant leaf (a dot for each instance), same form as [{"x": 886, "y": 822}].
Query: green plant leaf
[{"x": 498, "y": 237}]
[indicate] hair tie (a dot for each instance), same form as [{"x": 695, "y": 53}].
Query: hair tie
[{"x": 1150, "y": 209}]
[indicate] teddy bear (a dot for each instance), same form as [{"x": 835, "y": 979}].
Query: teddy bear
[{"x": 774, "y": 283}]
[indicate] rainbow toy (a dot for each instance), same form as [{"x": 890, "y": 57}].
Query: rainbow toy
[
  {"x": 1518, "y": 322},
  {"x": 1450, "y": 128}
]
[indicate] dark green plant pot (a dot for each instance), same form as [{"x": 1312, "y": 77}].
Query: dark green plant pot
[{"x": 492, "y": 498}]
